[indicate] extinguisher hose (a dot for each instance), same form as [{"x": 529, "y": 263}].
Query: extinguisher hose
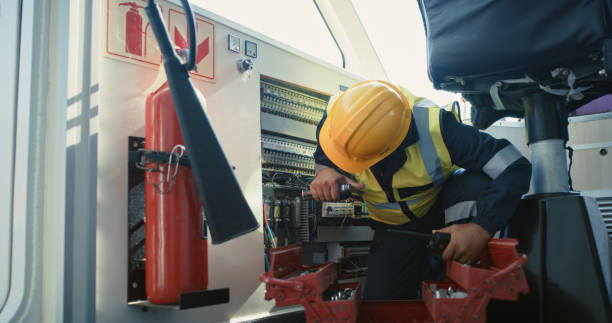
[
  {"x": 165, "y": 45},
  {"x": 213, "y": 175}
]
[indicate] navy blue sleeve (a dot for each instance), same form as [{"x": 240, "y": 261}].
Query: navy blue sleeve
[
  {"x": 472, "y": 150},
  {"x": 319, "y": 156}
]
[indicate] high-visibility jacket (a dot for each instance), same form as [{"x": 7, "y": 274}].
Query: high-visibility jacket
[
  {"x": 414, "y": 177},
  {"x": 415, "y": 186}
]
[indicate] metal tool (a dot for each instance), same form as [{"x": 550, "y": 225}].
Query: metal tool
[
  {"x": 437, "y": 242},
  {"x": 344, "y": 189}
]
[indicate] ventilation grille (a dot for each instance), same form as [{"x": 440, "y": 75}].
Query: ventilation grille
[{"x": 605, "y": 207}]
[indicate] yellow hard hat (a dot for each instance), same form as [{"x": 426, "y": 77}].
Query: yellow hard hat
[{"x": 365, "y": 124}]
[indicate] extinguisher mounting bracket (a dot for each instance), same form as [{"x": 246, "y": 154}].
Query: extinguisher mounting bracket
[
  {"x": 189, "y": 300},
  {"x": 146, "y": 157}
]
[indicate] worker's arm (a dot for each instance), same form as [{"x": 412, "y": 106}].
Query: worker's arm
[
  {"x": 510, "y": 174},
  {"x": 328, "y": 177}
]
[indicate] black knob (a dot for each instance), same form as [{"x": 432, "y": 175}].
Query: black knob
[{"x": 245, "y": 65}]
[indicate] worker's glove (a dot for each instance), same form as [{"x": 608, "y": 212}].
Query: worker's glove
[{"x": 325, "y": 186}]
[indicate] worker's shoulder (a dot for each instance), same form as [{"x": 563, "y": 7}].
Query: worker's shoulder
[{"x": 416, "y": 101}]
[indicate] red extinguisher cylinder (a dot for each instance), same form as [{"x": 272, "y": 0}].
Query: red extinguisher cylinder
[{"x": 176, "y": 248}]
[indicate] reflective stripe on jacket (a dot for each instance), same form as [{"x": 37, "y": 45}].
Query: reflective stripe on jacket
[{"x": 415, "y": 186}]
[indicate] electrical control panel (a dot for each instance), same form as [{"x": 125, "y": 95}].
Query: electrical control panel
[
  {"x": 328, "y": 231},
  {"x": 287, "y": 155},
  {"x": 289, "y": 115},
  {"x": 290, "y": 103}
]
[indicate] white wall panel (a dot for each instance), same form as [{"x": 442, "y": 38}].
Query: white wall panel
[
  {"x": 591, "y": 170},
  {"x": 9, "y": 23},
  {"x": 233, "y": 108}
]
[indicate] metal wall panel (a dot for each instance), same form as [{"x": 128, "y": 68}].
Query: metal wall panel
[
  {"x": 233, "y": 105},
  {"x": 591, "y": 168},
  {"x": 9, "y": 23}
]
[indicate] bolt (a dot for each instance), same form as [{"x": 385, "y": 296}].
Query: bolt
[
  {"x": 475, "y": 317},
  {"x": 603, "y": 151}
]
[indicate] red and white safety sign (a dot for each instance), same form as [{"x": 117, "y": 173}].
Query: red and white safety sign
[{"x": 129, "y": 36}]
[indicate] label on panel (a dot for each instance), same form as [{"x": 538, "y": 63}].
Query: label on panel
[{"x": 129, "y": 37}]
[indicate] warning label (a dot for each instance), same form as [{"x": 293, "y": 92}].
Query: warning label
[{"x": 129, "y": 36}]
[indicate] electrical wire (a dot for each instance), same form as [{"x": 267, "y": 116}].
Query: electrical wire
[
  {"x": 289, "y": 178},
  {"x": 267, "y": 225},
  {"x": 267, "y": 261},
  {"x": 344, "y": 219}
]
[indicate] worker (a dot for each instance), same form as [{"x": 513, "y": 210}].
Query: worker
[{"x": 418, "y": 169}]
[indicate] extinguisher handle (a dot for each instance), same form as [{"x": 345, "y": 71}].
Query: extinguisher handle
[
  {"x": 160, "y": 31},
  {"x": 193, "y": 46}
]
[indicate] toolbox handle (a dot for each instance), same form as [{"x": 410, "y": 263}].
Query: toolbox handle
[{"x": 295, "y": 285}]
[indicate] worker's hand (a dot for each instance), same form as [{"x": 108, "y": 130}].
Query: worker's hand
[
  {"x": 325, "y": 186},
  {"x": 468, "y": 242}
]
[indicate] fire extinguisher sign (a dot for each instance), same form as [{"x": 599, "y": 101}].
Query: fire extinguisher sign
[{"x": 129, "y": 37}]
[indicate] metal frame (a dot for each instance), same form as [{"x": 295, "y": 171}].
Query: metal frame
[
  {"x": 595, "y": 145},
  {"x": 8, "y": 88},
  {"x": 347, "y": 30},
  {"x": 591, "y": 117},
  {"x": 39, "y": 163}
]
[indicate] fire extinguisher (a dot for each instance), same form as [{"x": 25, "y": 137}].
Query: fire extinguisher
[
  {"x": 133, "y": 29},
  {"x": 175, "y": 234}
]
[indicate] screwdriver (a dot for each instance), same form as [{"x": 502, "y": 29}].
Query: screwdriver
[
  {"x": 344, "y": 189},
  {"x": 437, "y": 242}
]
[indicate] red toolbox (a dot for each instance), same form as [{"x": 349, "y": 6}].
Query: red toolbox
[
  {"x": 461, "y": 298},
  {"x": 498, "y": 275},
  {"x": 290, "y": 282}
]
